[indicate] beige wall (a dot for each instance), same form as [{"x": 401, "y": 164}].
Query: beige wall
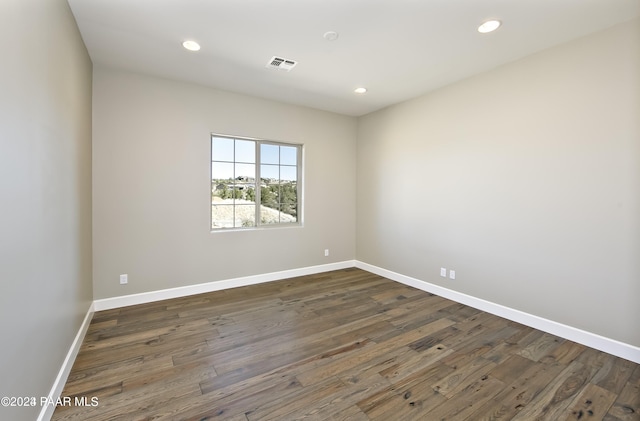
[
  {"x": 151, "y": 163},
  {"x": 45, "y": 194},
  {"x": 525, "y": 180}
]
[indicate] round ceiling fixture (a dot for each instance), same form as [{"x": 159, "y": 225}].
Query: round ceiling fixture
[
  {"x": 489, "y": 26},
  {"x": 191, "y": 45},
  {"x": 360, "y": 90},
  {"x": 330, "y": 36}
]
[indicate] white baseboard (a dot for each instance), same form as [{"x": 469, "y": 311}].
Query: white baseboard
[
  {"x": 58, "y": 385},
  {"x": 611, "y": 346},
  {"x": 165, "y": 294},
  {"x": 105, "y": 304},
  {"x": 601, "y": 343}
]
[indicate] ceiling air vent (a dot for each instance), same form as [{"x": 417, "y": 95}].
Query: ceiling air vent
[{"x": 281, "y": 63}]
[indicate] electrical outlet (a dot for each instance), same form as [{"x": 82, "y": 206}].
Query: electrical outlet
[
  {"x": 452, "y": 274},
  {"x": 124, "y": 279},
  {"x": 326, "y": 252},
  {"x": 443, "y": 272}
]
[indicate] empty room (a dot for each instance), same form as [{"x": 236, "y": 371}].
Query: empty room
[{"x": 324, "y": 210}]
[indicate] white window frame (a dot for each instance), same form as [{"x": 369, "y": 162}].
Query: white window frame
[{"x": 258, "y": 223}]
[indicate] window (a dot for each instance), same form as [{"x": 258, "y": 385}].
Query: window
[{"x": 254, "y": 182}]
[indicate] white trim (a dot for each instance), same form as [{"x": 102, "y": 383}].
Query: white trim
[
  {"x": 58, "y": 385},
  {"x": 165, "y": 294},
  {"x": 611, "y": 346},
  {"x": 608, "y": 345}
]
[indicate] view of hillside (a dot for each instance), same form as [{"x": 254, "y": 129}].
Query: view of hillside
[{"x": 234, "y": 200}]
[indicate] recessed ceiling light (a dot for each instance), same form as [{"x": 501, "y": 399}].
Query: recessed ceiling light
[
  {"x": 360, "y": 90},
  {"x": 191, "y": 45},
  {"x": 489, "y": 26}
]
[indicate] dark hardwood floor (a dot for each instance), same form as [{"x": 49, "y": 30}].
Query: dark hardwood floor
[{"x": 343, "y": 345}]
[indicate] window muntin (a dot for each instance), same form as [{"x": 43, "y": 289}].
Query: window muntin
[{"x": 254, "y": 183}]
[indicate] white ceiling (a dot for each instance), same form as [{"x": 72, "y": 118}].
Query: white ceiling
[{"x": 398, "y": 49}]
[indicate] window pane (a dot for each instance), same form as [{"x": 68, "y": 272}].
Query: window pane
[
  {"x": 221, "y": 149},
  {"x": 288, "y": 155},
  {"x": 270, "y": 172},
  {"x": 221, "y": 171},
  {"x": 245, "y": 172},
  {"x": 222, "y": 216},
  {"x": 245, "y": 151},
  {"x": 269, "y": 154},
  {"x": 288, "y": 173}
]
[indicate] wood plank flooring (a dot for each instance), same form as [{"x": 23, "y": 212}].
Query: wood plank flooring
[{"x": 342, "y": 345}]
